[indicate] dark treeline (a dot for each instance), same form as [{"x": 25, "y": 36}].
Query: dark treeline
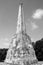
[
  {"x": 3, "y": 53},
  {"x": 38, "y": 47}
]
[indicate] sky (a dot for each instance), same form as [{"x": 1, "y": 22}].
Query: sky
[{"x": 33, "y": 17}]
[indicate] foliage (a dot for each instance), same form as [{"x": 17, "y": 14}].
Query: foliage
[
  {"x": 39, "y": 49},
  {"x": 3, "y": 53}
]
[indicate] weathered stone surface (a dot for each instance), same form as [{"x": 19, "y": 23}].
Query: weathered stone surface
[
  {"x": 21, "y": 51},
  {"x": 38, "y": 63}
]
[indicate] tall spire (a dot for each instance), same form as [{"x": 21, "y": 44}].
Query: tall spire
[
  {"x": 20, "y": 21},
  {"x": 20, "y": 47}
]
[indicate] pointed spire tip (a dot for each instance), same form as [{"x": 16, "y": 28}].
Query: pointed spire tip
[{"x": 21, "y": 2}]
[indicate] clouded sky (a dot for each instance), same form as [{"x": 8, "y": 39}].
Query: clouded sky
[{"x": 33, "y": 15}]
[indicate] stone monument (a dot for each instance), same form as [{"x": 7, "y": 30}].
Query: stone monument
[{"x": 20, "y": 50}]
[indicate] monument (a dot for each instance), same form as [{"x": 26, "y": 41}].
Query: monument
[{"x": 20, "y": 50}]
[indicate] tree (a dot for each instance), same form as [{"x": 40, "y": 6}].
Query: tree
[
  {"x": 39, "y": 49},
  {"x": 3, "y": 53}
]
